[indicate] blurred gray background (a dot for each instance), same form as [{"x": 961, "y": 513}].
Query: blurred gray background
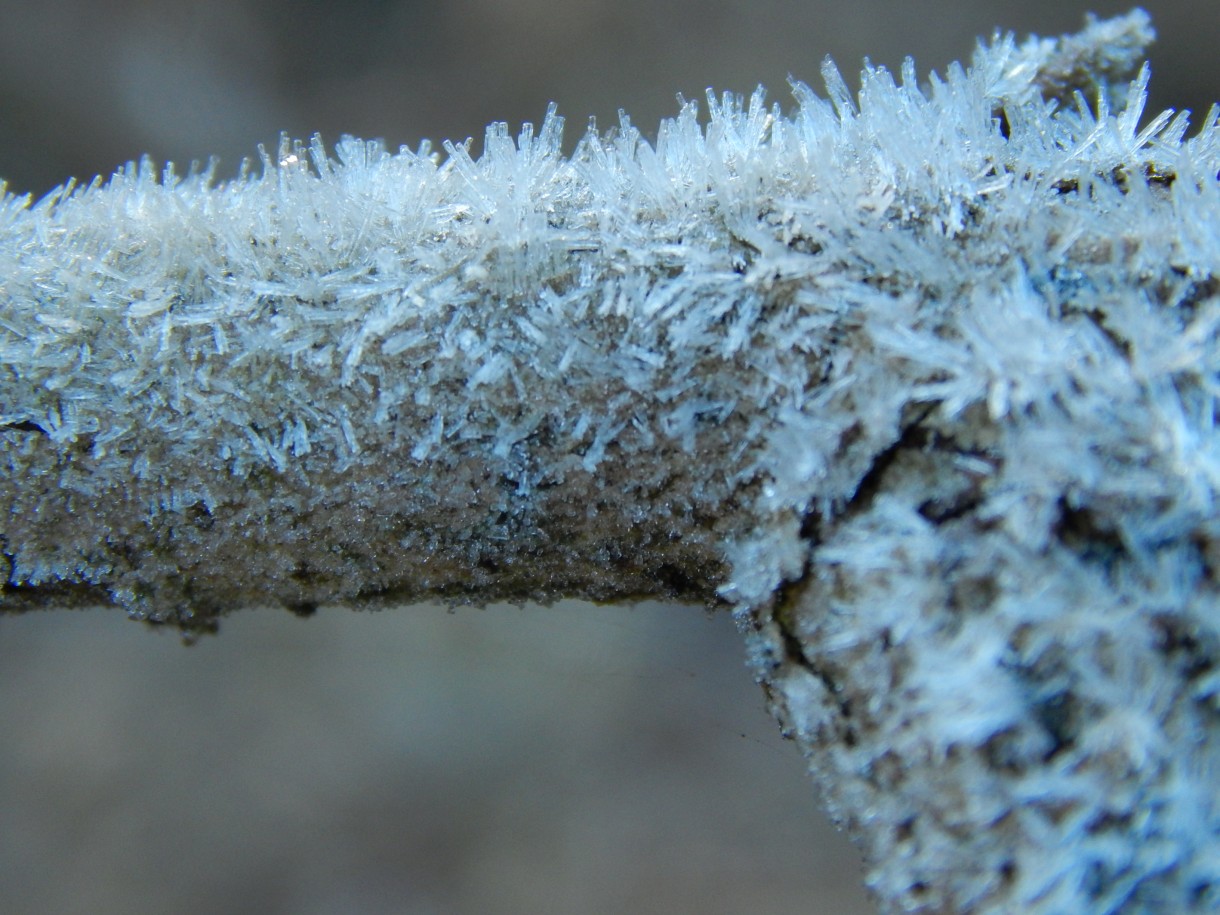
[
  {"x": 572, "y": 759},
  {"x": 86, "y": 85}
]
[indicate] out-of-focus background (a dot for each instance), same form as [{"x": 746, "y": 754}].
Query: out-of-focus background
[
  {"x": 572, "y": 759},
  {"x": 86, "y": 85}
]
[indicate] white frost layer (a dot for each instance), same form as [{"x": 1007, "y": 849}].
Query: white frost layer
[{"x": 810, "y": 275}]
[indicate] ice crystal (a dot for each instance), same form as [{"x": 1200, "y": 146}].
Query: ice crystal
[{"x": 922, "y": 380}]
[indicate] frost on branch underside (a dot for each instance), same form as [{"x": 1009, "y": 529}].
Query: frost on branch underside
[{"x": 921, "y": 380}]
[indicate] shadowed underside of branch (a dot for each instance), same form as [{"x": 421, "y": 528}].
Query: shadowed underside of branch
[{"x": 921, "y": 382}]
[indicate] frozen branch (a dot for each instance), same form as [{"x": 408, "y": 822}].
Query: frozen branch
[{"x": 921, "y": 382}]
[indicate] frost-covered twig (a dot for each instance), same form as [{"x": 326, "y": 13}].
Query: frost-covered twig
[{"x": 923, "y": 383}]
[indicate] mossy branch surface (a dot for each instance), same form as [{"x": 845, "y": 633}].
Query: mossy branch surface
[{"x": 921, "y": 382}]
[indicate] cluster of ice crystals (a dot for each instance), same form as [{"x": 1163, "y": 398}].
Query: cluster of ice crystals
[{"x": 923, "y": 380}]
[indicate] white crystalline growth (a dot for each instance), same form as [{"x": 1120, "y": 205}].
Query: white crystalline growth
[{"x": 923, "y": 381}]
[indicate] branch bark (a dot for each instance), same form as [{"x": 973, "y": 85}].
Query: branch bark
[{"x": 921, "y": 384}]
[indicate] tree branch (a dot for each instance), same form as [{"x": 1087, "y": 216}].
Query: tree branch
[{"x": 921, "y": 382}]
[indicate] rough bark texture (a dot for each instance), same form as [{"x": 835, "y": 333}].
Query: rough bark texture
[{"x": 921, "y": 383}]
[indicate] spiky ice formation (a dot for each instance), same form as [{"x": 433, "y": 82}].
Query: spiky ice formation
[{"x": 922, "y": 382}]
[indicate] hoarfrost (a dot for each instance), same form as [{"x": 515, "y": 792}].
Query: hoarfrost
[{"x": 923, "y": 381}]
